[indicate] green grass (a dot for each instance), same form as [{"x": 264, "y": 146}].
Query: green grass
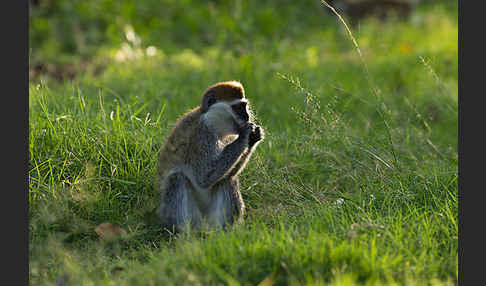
[{"x": 355, "y": 183}]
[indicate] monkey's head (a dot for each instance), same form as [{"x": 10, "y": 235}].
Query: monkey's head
[{"x": 225, "y": 107}]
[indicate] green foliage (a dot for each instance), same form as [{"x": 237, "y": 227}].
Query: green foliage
[
  {"x": 79, "y": 27},
  {"x": 355, "y": 183}
]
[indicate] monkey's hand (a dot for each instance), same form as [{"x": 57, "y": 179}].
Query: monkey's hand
[
  {"x": 246, "y": 129},
  {"x": 256, "y": 135}
]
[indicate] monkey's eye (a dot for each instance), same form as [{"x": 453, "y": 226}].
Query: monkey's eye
[
  {"x": 211, "y": 101},
  {"x": 240, "y": 109}
]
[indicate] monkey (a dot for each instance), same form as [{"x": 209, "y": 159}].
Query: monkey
[{"x": 198, "y": 167}]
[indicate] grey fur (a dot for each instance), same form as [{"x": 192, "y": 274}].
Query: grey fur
[{"x": 201, "y": 188}]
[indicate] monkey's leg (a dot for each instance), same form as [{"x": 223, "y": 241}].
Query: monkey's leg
[
  {"x": 236, "y": 201},
  {"x": 176, "y": 210},
  {"x": 227, "y": 205}
]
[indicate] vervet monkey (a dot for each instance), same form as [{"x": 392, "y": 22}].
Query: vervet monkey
[{"x": 198, "y": 167}]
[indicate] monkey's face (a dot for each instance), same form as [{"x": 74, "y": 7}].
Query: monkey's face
[
  {"x": 240, "y": 109},
  {"x": 225, "y": 117}
]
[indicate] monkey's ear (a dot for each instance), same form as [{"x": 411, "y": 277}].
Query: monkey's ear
[{"x": 209, "y": 99}]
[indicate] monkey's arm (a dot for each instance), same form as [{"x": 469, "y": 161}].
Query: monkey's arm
[
  {"x": 240, "y": 165},
  {"x": 210, "y": 171},
  {"x": 254, "y": 138},
  {"x": 224, "y": 163}
]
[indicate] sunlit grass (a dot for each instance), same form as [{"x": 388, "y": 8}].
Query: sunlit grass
[{"x": 347, "y": 189}]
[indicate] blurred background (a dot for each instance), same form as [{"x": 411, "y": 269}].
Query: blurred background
[{"x": 69, "y": 37}]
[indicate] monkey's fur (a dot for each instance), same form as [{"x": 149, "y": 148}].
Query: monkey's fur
[{"x": 198, "y": 167}]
